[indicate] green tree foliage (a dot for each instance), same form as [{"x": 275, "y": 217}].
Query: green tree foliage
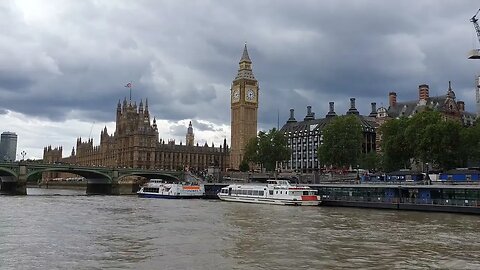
[
  {"x": 396, "y": 149},
  {"x": 426, "y": 137},
  {"x": 434, "y": 139},
  {"x": 470, "y": 145},
  {"x": 244, "y": 167},
  {"x": 342, "y": 142},
  {"x": 370, "y": 161},
  {"x": 267, "y": 149}
]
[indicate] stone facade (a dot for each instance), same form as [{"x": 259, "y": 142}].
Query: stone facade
[
  {"x": 244, "y": 109},
  {"x": 136, "y": 144}
]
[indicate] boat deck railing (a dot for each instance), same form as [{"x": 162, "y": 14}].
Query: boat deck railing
[{"x": 396, "y": 200}]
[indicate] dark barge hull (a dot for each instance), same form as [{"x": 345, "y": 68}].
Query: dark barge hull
[{"x": 404, "y": 206}]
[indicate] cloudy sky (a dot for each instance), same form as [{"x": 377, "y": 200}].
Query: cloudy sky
[{"x": 64, "y": 64}]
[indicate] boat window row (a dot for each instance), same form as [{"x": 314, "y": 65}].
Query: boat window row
[
  {"x": 150, "y": 189},
  {"x": 250, "y": 192}
]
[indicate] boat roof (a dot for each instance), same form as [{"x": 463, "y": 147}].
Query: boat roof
[{"x": 412, "y": 186}]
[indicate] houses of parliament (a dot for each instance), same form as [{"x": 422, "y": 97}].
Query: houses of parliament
[{"x": 135, "y": 143}]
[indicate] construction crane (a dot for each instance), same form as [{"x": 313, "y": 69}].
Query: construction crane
[{"x": 475, "y": 53}]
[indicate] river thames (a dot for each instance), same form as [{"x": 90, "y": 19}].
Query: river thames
[{"x": 64, "y": 229}]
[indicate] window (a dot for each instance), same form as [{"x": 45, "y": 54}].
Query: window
[{"x": 270, "y": 192}]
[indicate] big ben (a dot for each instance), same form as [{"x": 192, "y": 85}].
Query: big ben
[{"x": 244, "y": 107}]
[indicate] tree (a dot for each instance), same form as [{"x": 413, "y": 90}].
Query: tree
[
  {"x": 396, "y": 149},
  {"x": 267, "y": 149},
  {"x": 244, "y": 167},
  {"x": 469, "y": 151},
  {"x": 427, "y": 137},
  {"x": 434, "y": 139},
  {"x": 370, "y": 161},
  {"x": 342, "y": 142}
]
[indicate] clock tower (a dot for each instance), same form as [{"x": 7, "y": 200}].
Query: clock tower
[{"x": 244, "y": 107}]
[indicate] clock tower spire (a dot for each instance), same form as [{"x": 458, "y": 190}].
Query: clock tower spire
[{"x": 244, "y": 109}]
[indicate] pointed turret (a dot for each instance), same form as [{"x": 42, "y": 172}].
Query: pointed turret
[
  {"x": 245, "y": 68},
  {"x": 450, "y": 92},
  {"x": 140, "y": 107},
  {"x": 245, "y": 57},
  {"x": 155, "y": 124}
]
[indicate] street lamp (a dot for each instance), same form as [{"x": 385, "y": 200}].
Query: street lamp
[{"x": 23, "y": 153}]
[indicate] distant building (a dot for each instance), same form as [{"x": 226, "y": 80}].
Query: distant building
[
  {"x": 446, "y": 104},
  {"x": 8, "y": 146},
  {"x": 136, "y": 144},
  {"x": 304, "y": 137}
]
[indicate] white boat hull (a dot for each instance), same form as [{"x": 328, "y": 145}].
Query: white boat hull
[{"x": 269, "y": 201}]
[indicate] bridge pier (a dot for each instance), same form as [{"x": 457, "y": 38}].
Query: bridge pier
[
  {"x": 99, "y": 186},
  {"x": 11, "y": 186}
]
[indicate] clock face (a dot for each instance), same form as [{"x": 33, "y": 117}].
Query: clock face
[
  {"x": 235, "y": 96},
  {"x": 250, "y": 96}
]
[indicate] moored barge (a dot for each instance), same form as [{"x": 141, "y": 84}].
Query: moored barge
[{"x": 437, "y": 198}]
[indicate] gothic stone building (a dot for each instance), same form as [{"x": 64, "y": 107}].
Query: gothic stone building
[
  {"x": 136, "y": 144},
  {"x": 304, "y": 137}
]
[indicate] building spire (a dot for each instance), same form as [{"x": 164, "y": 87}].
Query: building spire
[
  {"x": 245, "y": 67},
  {"x": 245, "y": 57}
]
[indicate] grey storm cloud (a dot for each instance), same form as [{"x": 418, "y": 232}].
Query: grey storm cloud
[{"x": 66, "y": 59}]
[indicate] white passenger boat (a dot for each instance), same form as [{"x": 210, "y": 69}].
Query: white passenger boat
[
  {"x": 157, "y": 188},
  {"x": 274, "y": 192}
]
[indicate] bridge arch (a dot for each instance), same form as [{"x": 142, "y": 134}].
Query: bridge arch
[
  {"x": 8, "y": 172},
  {"x": 88, "y": 174}
]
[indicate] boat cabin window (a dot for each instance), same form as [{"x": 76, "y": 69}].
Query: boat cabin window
[
  {"x": 149, "y": 189},
  {"x": 270, "y": 192},
  {"x": 260, "y": 193}
]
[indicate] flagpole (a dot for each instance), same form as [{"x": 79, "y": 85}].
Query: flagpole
[{"x": 130, "y": 91}]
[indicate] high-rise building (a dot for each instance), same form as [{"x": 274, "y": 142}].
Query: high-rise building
[
  {"x": 8, "y": 146},
  {"x": 244, "y": 108}
]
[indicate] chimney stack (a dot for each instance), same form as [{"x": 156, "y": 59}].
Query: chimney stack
[
  {"x": 352, "y": 109},
  {"x": 310, "y": 115},
  {"x": 423, "y": 90},
  {"x": 292, "y": 117},
  {"x": 331, "y": 112},
  {"x": 373, "y": 113},
  {"x": 392, "y": 99}
]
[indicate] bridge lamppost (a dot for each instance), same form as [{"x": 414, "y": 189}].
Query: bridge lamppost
[{"x": 23, "y": 153}]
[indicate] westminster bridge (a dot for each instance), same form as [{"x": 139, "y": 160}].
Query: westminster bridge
[{"x": 100, "y": 180}]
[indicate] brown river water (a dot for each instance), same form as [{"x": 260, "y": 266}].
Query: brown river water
[{"x": 64, "y": 229}]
